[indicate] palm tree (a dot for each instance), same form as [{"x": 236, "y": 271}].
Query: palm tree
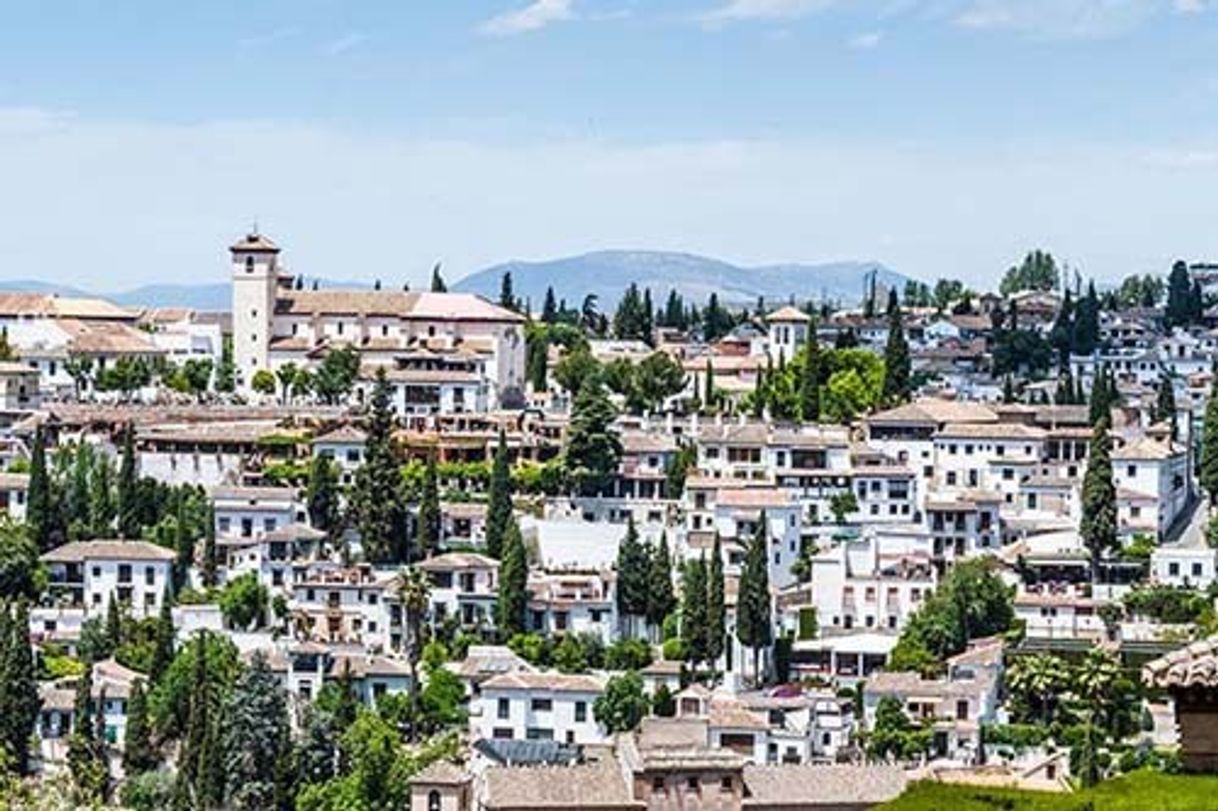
[
  {"x": 589, "y": 317},
  {"x": 414, "y": 592},
  {"x": 1037, "y": 682},
  {"x": 287, "y": 376},
  {"x": 1102, "y": 687}
]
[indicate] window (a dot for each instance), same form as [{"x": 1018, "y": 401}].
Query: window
[
  {"x": 433, "y": 800},
  {"x": 1196, "y": 570},
  {"x": 692, "y": 784},
  {"x": 541, "y": 705},
  {"x": 149, "y": 576},
  {"x": 581, "y": 711},
  {"x": 657, "y": 785},
  {"x": 226, "y": 525},
  {"x": 97, "y": 571},
  {"x": 505, "y": 708},
  {"x": 1131, "y": 470},
  {"x": 124, "y": 573},
  {"x": 725, "y": 784},
  {"x": 1173, "y": 569}
]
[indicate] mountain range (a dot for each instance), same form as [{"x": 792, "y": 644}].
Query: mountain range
[{"x": 605, "y": 274}]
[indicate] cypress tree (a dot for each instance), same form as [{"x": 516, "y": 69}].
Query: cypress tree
[
  {"x": 708, "y": 386},
  {"x": 1165, "y": 404},
  {"x": 86, "y": 750},
  {"x": 1101, "y": 404},
  {"x": 38, "y": 495},
  {"x": 1008, "y": 390},
  {"x": 128, "y": 488},
  {"x": 499, "y": 499},
  {"x": 1209, "y": 446},
  {"x": 549, "y": 309},
  {"x": 593, "y": 446},
  {"x": 322, "y": 497},
  {"x": 114, "y": 623},
  {"x": 896, "y": 356},
  {"x": 377, "y": 492},
  {"x": 716, "y": 608},
  {"x": 192, "y": 756},
  {"x": 1179, "y": 297},
  {"x": 184, "y": 545},
  {"x": 162, "y": 650},
  {"x": 754, "y": 627},
  {"x": 101, "y": 498},
  {"x": 660, "y": 597},
  {"x": 429, "y": 509},
  {"x": 209, "y": 574},
  {"x": 694, "y": 618},
  {"x": 79, "y": 493},
  {"x": 1098, "y": 526},
  {"x": 437, "y": 281},
  {"x": 507, "y": 298},
  {"x": 139, "y": 755},
  {"x": 632, "y": 576},
  {"x": 19, "y": 700},
  {"x": 211, "y": 784},
  {"x": 256, "y": 738},
  {"x": 513, "y": 597},
  {"x": 809, "y": 380}
]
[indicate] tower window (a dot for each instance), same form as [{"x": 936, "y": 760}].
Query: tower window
[{"x": 249, "y": 264}]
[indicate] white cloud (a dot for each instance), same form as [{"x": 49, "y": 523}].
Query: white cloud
[
  {"x": 865, "y": 41},
  {"x": 532, "y": 17},
  {"x": 346, "y": 43},
  {"x": 356, "y": 205},
  {"x": 738, "y": 10},
  {"x": 1065, "y": 19}
]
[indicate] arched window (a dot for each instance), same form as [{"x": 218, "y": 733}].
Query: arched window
[
  {"x": 249, "y": 264},
  {"x": 433, "y": 800}
]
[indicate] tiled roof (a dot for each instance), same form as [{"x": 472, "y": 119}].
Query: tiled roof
[
  {"x": 991, "y": 431},
  {"x": 345, "y": 434},
  {"x": 935, "y": 411},
  {"x": 457, "y": 560},
  {"x": 753, "y": 497},
  {"x": 424, "y": 306},
  {"x": 51, "y": 306},
  {"x": 1192, "y": 666},
  {"x": 587, "y": 786},
  {"x": 836, "y": 786},
  {"x": 79, "y": 551},
  {"x": 554, "y": 682},
  {"x": 254, "y": 243},
  {"x": 788, "y": 313}
]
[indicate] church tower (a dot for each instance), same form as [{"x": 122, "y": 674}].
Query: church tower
[{"x": 255, "y": 261}]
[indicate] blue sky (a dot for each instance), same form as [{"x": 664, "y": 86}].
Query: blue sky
[{"x": 943, "y": 137}]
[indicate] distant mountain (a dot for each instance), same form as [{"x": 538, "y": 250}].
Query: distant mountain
[
  {"x": 33, "y": 286},
  {"x": 196, "y": 296},
  {"x": 607, "y": 274}
]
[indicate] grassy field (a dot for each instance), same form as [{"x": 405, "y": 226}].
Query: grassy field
[{"x": 1141, "y": 791}]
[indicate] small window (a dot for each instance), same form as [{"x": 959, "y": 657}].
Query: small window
[
  {"x": 433, "y": 800},
  {"x": 725, "y": 784},
  {"x": 692, "y": 784}
]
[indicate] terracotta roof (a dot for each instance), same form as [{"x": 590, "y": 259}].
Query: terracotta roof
[
  {"x": 1143, "y": 448},
  {"x": 79, "y": 551},
  {"x": 594, "y": 785},
  {"x": 450, "y": 561},
  {"x": 788, "y": 313},
  {"x": 935, "y": 411},
  {"x": 345, "y": 434},
  {"x": 836, "y": 786},
  {"x": 91, "y": 337},
  {"x": 1002, "y": 430},
  {"x": 753, "y": 497},
  {"x": 52, "y": 306},
  {"x": 442, "y": 773},
  {"x": 554, "y": 682},
  {"x": 1192, "y": 666},
  {"x": 423, "y": 306}
]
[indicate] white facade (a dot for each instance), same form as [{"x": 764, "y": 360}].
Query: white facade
[
  {"x": 538, "y": 706},
  {"x": 87, "y": 574}
]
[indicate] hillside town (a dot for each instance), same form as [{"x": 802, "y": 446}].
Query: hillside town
[{"x": 399, "y": 548}]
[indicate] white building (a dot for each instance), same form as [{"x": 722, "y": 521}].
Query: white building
[
  {"x": 86, "y": 574},
  {"x": 463, "y": 585},
  {"x": 443, "y": 351},
  {"x": 538, "y": 706},
  {"x": 788, "y": 332}
]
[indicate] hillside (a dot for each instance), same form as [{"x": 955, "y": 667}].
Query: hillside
[
  {"x": 607, "y": 273},
  {"x": 1139, "y": 791}
]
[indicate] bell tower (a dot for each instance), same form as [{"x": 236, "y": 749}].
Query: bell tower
[{"x": 255, "y": 267}]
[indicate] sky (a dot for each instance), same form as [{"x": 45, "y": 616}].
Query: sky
[{"x": 374, "y": 138}]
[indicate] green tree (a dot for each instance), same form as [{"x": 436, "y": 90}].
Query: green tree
[
  {"x": 209, "y": 570},
  {"x": 414, "y": 593},
  {"x": 322, "y": 497},
  {"x": 499, "y": 499},
  {"x": 1035, "y": 685},
  {"x": 754, "y": 623},
  {"x": 21, "y": 572},
  {"x": 20, "y": 703},
  {"x": 184, "y": 546},
  {"x": 1209, "y": 446},
  {"x": 513, "y": 595},
  {"x": 623, "y": 705},
  {"x": 437, "y": 281},
  {"x": 38, "y": 504},
  {"x": 661, "y": 601},
  {"x": 1098, "y": 525},
  {"x": 694, "y": 619},
  {"x": 594, "y": 448},
  {"x": 430, "y": 517},
  {"x": 335, "y": 375},
  {"x": 102, "y": 510},
  {"x": 139, "y": 754},
  {"x": 1179, "y": 310},
  {"x": 256, "y": 738},
  {"x": 896, "y": 356},
  {"x": 576, "y": 368},
  {"x": 1038, "y": 271},
  {"x": 633, "y": 568},
  {"x": 128, "y": 488},
  {"x": 162, "y": 651},
  {"x": 191, "y": 791},
  {"x": 810, "y": 379},
  {"x": 507, "y": 298},
  {"x": 86, "y": 749},
  {"x": 226, "y": 370},
  {"x": 657, "y": 378},
  {"x": 376, "y": 496},
  {"x": 716, "y": 606},
  {"x": 1165, "y": 404},
  {"x": 263, "y": 382},
  {"x": 893, "y": 735},
  {"x": 243, "y": 602}
]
